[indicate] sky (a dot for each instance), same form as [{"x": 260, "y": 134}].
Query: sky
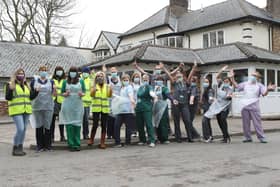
[{"x": 93, "y": 16}]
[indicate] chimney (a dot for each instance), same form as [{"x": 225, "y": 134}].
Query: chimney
[
  {"x": 178, "y": 7},
  {"x": 273, "y": 6}
]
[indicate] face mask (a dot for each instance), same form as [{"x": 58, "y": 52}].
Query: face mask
[
  {"x": 205, "y": 85},
  {"x": 180, "y": 79},
  {"x": 226, "y": 85},
  {"x": 99, "y": 80},
  {"x": 20, "y": 77},
  {"x": 145, "y": 83},
  {"x": 252, "y": 79},
  {"x": 73, "y": 74},
  {"x": 136, "y": 80},
  {"x": 159, "y": 83},
  {"x": 115, "y": 74},
  {"x": 193, "y": 84},
  {"x": 85, "y": 75},
  {"x": 59, "y": 73},
  {"x": 157, "y": 71},
  {"x": 43, "y": 74},
  {"x": 125, "y": 83}
]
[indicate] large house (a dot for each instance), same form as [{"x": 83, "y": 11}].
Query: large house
[{"x": 234, "y": 32}]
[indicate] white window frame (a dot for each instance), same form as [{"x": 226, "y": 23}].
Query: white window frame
[{"x": 209, "y": 39}]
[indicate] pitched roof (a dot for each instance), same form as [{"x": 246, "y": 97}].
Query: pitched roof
[
  {"x": 223, "y": 12},
  {"x": 234, "y": 52},
  {"x": 30, "y": 57},
  {"x": 160, "y": 18},
  {"x": 227, "y": 11},
  {"x": 113, "y": 38}
]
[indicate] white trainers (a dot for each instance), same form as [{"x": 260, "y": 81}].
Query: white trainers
[
  {"x": 166, "y": 142},
  {"x": 152, "y": 145},
  {"x": 141, "y": 143}
]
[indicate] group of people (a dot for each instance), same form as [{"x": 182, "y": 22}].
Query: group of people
[{"x": 139, "y": 101}]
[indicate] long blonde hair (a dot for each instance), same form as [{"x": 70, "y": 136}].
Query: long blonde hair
[{"x": 13, "y": 79}]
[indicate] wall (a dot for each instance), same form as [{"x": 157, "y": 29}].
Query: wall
[{"x": 233, "y": 32}]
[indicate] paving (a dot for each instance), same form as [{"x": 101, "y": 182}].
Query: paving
[{"x": 7, "y": 131}]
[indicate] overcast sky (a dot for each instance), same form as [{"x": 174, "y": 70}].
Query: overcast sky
[{"x": 120, "y": 15}]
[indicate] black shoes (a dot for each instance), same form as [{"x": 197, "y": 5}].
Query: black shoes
[
  {"x": 226, "y": 140},
  {"x": 247, "y": 141},
  {"x": 18, "y": 151}
]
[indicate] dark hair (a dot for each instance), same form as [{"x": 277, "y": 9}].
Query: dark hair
[
  {"x": 159, "y": 77},
  {"x": 58, "y": 68},
  {"x": 206, "y": 90},
  {"x": 76, "y": 79}
]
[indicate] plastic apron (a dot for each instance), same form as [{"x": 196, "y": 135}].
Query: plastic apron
[
  {"x": 43, "y": 103},
  {"x": 251, "y": 95},
  {"x": 219, "y": 105},
  {"x": 72, "y": 109},
  {"x": 159, "y": 107}
]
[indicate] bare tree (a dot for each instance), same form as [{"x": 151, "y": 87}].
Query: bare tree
[
  {"x": 51, "y": 20},
  {"x": 17, "y": 16}
]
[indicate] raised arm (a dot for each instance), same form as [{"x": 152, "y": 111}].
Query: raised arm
[
  {"x": 234, "y": 83},
  {"x": 182, "y": 65},
  {"x": 167, "y": 72},
  {"x": 192, "y": 71},
  {"x": 139, "y": 68},
  {"x": 218, "y": 76}
]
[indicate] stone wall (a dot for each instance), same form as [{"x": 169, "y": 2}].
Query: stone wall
[
  {"x": 276, "y": 39},
  {"x": 3, "y": 107}
]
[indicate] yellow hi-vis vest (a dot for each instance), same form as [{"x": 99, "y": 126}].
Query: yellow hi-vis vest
[
  {"x": 87, "y": 100},
  {"x": 20, "y": 104},
  {"x": 100, "y": 103},
  {"x": 58, "y": 85}
]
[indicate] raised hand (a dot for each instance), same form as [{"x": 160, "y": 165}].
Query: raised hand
[
  {"x": 224, "y": 68},
  {"x": 161, "y": 65},
  {"x": 231, "y": 73},
  {"x": 271, "y": 87},
  {"x": 175, "y": 102},
  {"x": 182, "y": 65},
  {"x": 104, "y": 68}
]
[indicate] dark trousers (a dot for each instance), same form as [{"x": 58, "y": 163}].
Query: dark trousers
[
  {"x": 162, "y": 130},
  {"x": 133, "y": 126},
  {"x": 110, "y": 126},
  {"x": 61, "y": 128},
  {"x": 183, "y": 110},
  {"x": 96, "y": 118},
  {"x": 43, "y": 138},
  {"x": 193, "y": 110},
  {"x": 127, "y": 119},
  {"x": 206, "y": 128},
  {"x": 222, "y": 121},
  {"x": 85, "y": 122}
]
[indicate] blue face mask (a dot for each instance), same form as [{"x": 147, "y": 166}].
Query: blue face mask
[
  {"x": 114, "y": 74},
  {"x": 85, "y": 75},
  {"x": 157, "y": 71},
  {"x": 73, "y": 74},
  {"x": 205, "y": 85},
  {"x": 226, "y": 85},
  {"x": 145, "y": 83},
  {"x": 43, "y": 74},
  {"x": 59, "y": 73},
  {"x": 193, "y": 84},
  {"x": 136, "y": 80},
  {"x": 159, "y": 83},
  {"x": 125, "y": 83},
  {"x": 252, "y": 79}
]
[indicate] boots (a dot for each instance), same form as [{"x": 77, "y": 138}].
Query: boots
[
  {"x": 21, "y": 149},
  {"x": 102, "y": 141},
  {"x": 91, "y": 139},
  {"x": 17, "y": 151}
]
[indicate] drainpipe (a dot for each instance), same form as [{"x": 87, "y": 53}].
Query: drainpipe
[
  {"x": 154, "y": 36},
  {"x": 189, "y": 41},
  {"x": 270, "y": 42}
]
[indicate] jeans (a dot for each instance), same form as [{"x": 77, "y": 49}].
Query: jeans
[
  {"x": 85, "y": 121},
  {"x": 21, "y": 122}
]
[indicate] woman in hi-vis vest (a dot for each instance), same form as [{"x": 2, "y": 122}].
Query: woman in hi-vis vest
[
  {"x": 101, "y": 92},
  {"x": 17, "y": 93}
]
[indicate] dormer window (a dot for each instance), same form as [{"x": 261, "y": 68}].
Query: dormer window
[{"x": 213, "y": 39}]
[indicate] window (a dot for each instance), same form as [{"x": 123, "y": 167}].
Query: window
[
  {"x": 179, "y": 41},
  {"x": 172, "y": 42},
  {"x": 270, "y": 77},
  {"x": 205, "y": 41},
  {"x": 213, "y": 39},
  {"x": 150, "y": 41},
  {"x": 261, "y": 71},
  {"x": 241, "y": 75},
  {"x": 220, "y": 37},
  {"x": 105, "y": 53}
]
